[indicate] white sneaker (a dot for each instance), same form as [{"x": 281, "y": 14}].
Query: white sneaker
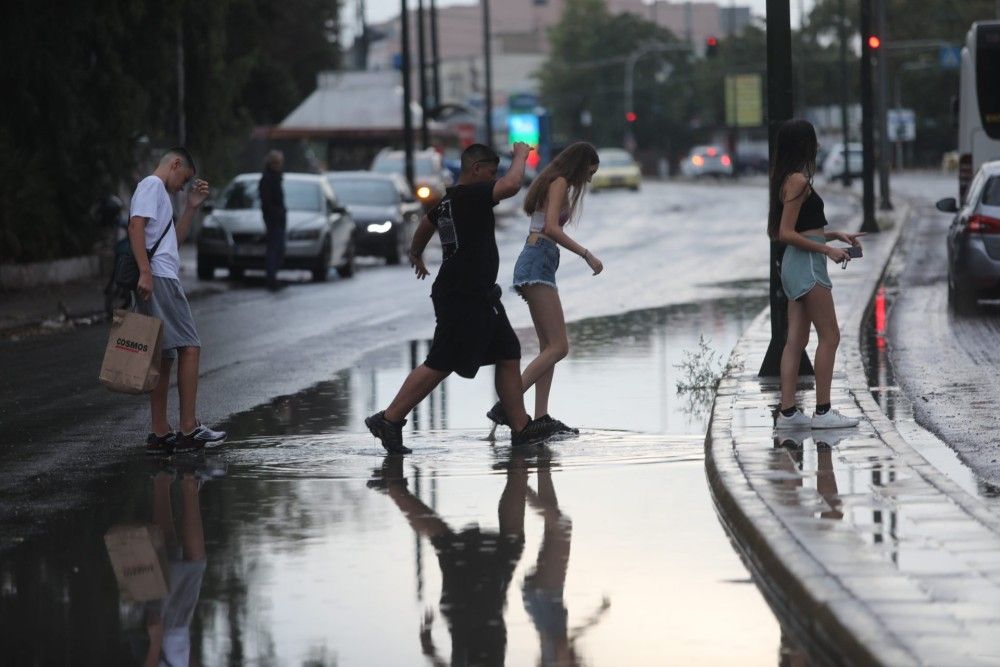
[
  {"x": 833, "y": 419},
  {"x": 796, "y": 421}
]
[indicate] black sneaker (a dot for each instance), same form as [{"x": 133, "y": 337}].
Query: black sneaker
[
  {"x": 497, "y": 415},
  {"x": 157, "y": 445},
  {"x": 391, "y": 434},
  {"x": 534, "y": 432},
  {"x": 198, "y": 439},
  {"x": 560, "y": 427}
]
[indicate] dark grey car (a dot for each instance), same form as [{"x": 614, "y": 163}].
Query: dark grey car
[
  {"x": 974, "y": 241},
  {"x": 384, "y": 210}
]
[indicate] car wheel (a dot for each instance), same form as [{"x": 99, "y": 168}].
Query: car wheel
[
  {"x": 321, "y": 270},
  {"x": 206, "y": 270},
  {"x": 961, "y": 299},
  {"x": 346, "y": 270},
  {"x": 634, "y": 188},
  {"x": 235, "y": 273}
]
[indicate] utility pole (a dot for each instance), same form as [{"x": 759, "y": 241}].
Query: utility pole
[
  {"x": 425, "y": 140},
  {"x": 435, "y": 55},
  {"x": 844, "y": 120},
  {"x": 488, "y": 66},
  {"x": 181, "y": 115},
  {"x": 780, "y": 106},
  {"x": 882, "y": 56},
  {"x": 404, "y": 25},
  {"x": 361, "y": 45},
  {"x": 868, "y": 223}
]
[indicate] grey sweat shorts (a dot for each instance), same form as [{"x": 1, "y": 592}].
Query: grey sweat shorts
[
  {"x": 169, "y": 304},
  {"x": 802, "y": 270}
]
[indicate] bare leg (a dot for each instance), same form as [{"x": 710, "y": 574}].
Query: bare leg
[
  {"x": 163, "y": 516},
  {"x": 418, "y": 384},
  {"x": 508, "y": 386},
  {"x": 192, "y": 531},
  {"x": 511, "y": 507},
  {"x": 795, "y": 343},
  {"x": 187, "y": 385},
  {"x": 826, "y": 483},
  {"x": 550, "y": 324},
  {"x": 819, "y": 307},
  {"x": 158, "y": 399}
]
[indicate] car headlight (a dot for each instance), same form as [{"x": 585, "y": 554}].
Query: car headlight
[
  {"x": 379, "y": 227},
  {"x": 423, "y": 192},
  {"x": 213, "y": 234},
  {"x": 303, "y": 235}
]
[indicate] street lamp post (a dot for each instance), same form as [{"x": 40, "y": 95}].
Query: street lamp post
[
  {"x": 404, "y": 65},
  {"x": 488, "y": 67},
  {"x": 629, "y": 89}
]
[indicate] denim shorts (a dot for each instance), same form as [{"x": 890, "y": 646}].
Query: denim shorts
[
  {"x": 802, "y": 270},
  {"x": 537, "y": 265}
]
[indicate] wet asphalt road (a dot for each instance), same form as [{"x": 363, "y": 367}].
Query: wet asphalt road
[{"x": 948, "y": 364}]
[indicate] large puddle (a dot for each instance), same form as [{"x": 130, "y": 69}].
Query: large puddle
[{"x": 314, "y": 548}]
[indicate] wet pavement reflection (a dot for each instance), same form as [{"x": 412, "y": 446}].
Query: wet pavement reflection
[{"x": 301, "y": 543}]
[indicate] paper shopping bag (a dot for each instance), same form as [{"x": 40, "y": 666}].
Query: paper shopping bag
[
  {"x": 132, "y": 357},
  {"x": 139, "y": 558}
]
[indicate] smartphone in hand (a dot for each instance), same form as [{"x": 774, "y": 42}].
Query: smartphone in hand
[{"x": 854, "y": 252}]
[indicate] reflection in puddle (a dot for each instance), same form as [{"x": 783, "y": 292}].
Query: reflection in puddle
[{"x": 321, "y": 550}]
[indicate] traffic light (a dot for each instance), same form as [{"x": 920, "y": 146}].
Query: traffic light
[
  {"x": 711, "y": 47},
  {"x": 874, "y": 42},
  {"x": 630, "y": 116}
]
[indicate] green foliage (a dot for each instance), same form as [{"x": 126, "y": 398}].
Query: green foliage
[{"x": 91, "y": 87}]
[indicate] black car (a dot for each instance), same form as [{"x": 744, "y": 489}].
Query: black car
[{"x": 384, "y": 209}]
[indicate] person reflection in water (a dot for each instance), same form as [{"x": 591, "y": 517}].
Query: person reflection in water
[
  {"x": 168, "y": 621},
  {"x": 476, "y": 565},
  {"x": 826, "y": 479}
]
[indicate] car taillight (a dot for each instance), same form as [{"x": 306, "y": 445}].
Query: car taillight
[
  {"x": 984, "y": 224},
  {"x": 726, "y": 161},
  {"x": 711, "y": 152}
]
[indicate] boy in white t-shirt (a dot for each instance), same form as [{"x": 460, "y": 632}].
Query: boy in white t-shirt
[{"x": 160, "y": 295}]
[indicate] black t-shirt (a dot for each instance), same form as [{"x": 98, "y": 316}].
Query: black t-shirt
[{"x": 466, "y": 226}]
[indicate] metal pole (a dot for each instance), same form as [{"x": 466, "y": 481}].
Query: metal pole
[
  {"x": 629, "y": 93},
  {"x": 844, "y": 120},
  {"x": 435, "y": 55},
  {"x": 780, "y": 104},
  {"x": 404, "y": 21},
  {"x": 488, "y": 66},
  {"x": 868, "y": 223},
  {"x": 425, "y": 139},
  {"x": 899, "y": 105},
  {"x": 885, "y": 203},
  {"x": 181, "y": 116}
]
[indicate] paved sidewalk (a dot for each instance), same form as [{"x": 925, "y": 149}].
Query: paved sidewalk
[
  {"x": 868, "y": 553},
  {"x": 56, "y": 307}
]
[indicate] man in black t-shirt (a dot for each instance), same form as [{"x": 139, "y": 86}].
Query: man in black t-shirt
[{"x": 472, "y": 326}]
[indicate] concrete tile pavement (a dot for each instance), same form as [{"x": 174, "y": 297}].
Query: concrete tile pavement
[{"x": 867, "y": 551}]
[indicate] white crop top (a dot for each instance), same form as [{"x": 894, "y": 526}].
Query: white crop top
[{"x": 538, "y": 220}]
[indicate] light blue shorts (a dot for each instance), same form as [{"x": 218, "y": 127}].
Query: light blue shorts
[
  {"x": 802, "y": 270},
  {"x": 537, "y": 265}
]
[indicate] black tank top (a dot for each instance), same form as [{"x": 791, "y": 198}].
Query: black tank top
[{"x": 811, "y": 214}]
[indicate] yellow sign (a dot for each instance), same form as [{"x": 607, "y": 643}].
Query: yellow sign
[{"x": 744, "y": 100}]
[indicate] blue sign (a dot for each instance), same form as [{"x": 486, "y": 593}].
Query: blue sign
[{"x": 950, "y": 57}]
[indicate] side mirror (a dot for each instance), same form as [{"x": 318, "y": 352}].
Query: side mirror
[
  {"x": 947, "y": 205},
  {"x": 208, "y": 206}
]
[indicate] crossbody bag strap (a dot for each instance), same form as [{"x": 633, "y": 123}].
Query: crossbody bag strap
[{"x": 152, "y": 251}]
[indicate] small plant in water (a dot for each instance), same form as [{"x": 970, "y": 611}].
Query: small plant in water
[{"x": 701, "y": 372}]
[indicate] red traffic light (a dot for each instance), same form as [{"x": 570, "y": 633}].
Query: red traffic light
[
  {"x": 874, "y": 42},
  {"x": 630, "y": 116},
  {"x": 711, "y": 41}
]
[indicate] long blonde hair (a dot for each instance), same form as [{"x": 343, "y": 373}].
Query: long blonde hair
[{"x": 573, "y": 164}]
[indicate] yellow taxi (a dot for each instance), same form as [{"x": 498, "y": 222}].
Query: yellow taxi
[{"x": 618, "y": 170}]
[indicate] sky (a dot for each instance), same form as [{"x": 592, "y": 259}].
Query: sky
[{"x": 379, "y": 10}]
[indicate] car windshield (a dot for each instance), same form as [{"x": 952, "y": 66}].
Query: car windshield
[
  {"x": 299, "y": 195},
  {"x": 616, "y": 160},
  {"x": 365, "y": 191},
  {"x": 423, "y": 166},
  {"x": 991, "y": 193}
]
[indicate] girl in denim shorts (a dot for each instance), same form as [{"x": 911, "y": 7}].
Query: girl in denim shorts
[
  {"x": 553, "y": 199},
  {"x": 796, "y": 218}
]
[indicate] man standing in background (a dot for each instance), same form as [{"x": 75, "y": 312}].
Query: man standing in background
[{"x": 272, "y": 203}]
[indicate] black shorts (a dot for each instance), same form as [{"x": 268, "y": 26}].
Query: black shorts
[{"x": 471, "y": 331}]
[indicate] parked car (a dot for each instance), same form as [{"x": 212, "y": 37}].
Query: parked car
[
  {"x": 707, "y": 161},
  {"x": 751, "y": 163},
  {"x": 384, "y": 209},
  {"x": 320, "y": 231},
  {"x": 833, "y": 164},
  {"x": 429, "y": 173},
  {"x": 617, "y": 170},
  {"x": 974, "y": 240}
]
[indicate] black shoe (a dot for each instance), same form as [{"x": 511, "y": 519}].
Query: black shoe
[
  {"x": 560, "y": 427},
  {"x": 534, "y": 432},
  {"x": 157, "y": 445},
  {"x": 391, "y": 434},
  {"x": 198, "y": 439},
  {"x": 497, "y": 415}
]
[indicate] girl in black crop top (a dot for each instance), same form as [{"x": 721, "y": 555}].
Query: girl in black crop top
[{"x": 796, "y": 219}]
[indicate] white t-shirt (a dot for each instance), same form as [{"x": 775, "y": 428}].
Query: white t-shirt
[{"x": 152, "y": 201}]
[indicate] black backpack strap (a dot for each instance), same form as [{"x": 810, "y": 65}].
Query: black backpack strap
[{"x": 152, "y": 251}]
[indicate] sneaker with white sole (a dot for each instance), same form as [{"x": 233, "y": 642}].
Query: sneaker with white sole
[
  {"x": 833, "y": 419},
  {"x": 198, "y": 439},
  {"x": 796, "y": 421}
]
